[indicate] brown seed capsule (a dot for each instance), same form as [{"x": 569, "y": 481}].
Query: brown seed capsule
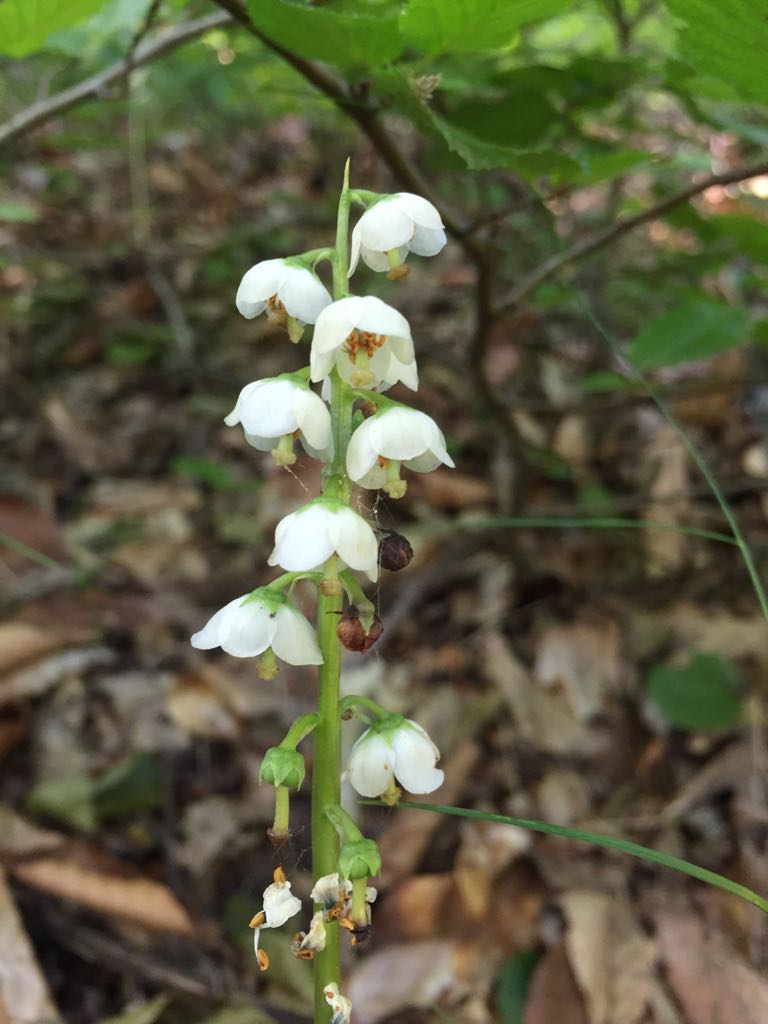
[
  {"x": 351, "y": 633},
  {"x": 394, "y": 552}
]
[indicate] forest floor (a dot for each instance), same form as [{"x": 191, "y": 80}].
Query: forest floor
[{"x": 133, "y": 829}]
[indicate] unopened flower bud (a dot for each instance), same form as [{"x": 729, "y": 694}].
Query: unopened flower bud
[
  {"x": 395, "y": 552},
  {"x": 282, "y": 767},
  {"x": 359, "y": 859},
  {"x": 352, "y": 633}
]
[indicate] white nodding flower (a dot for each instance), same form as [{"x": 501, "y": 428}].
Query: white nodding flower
[
  {"x": 306, "y": 539},
  {"x": 393, "y": 227},
  {"x": 287, "y": 290},
  {"x": 274, "y": 410},
  {"x": 368, "y": 341},
  {"x": 257, "y": 622},
  {"x": 394, "y": 748},
  {"x": 341, "y": 1007},
  {"x": 393, "y": 436},
  {"x": 279, "y": 904}
]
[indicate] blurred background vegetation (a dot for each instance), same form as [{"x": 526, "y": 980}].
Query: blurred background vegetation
[{"x": 577, "y": 631}]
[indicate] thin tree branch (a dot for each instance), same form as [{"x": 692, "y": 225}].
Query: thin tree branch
[
  {"x": 93, "y": 87},
  {"x": 610, "y": 234}
]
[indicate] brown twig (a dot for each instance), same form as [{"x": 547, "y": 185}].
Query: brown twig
[
  {"x": 95, "y": 86},
  {"x": 610, "y": 234}
]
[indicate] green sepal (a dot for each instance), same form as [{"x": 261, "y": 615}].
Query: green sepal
[
  {"x": 359, "y": 859},
  {"x": 282, "y": 767}
]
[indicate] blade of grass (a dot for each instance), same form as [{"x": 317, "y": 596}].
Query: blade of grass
[
  {"x": 630, "y": 371},
  {"x": 588, "y": 523},
  {"x": 597, "y": 839},
  {"x": 24, "y": 549}
]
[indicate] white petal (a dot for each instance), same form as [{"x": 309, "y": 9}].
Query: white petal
[
  {"x": 397, "y": 370},
  {"x": 234, "y": 417},
  {"x": 259, "y": 284},
  {"x": 247, "y": 630},
  {"x": 361, "y": 454},
  {"x": 356, "y": 542},
  {"x": 312, "y": 417},
  {"x": 415, "y": 759},
  {"x": 303, "y": 294},
  {"x": 268, "y": 411},
  {"x": 302, "y": 539},
  {"x": 400, "y": 433},
  {"x": 210, "y": 635},
  {"x": 335, "y": 323},
  {"x": 279, "y": 904},
  {"x": 341, "y": 1007},
  {"x": 354, "y": 254},
  {"x": 371, "y": 765},
  {"x": 295, "y": 640},
  {"x": 320, "y": 363},
  {"x": 379, "y": 261},
  {"x": 385, "y": 226},
  {"x": 421, "y": 211},
  {"x": 330, "y": 889},
  {"x": 264, "y": 444},
  {"x": 428, "y": 241},
  {"x": 426, "y": 462},
  {"x": 379, "y": 318}
]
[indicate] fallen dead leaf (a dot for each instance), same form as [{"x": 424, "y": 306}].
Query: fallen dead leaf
[
  {"x": 48, "y": 672},
  {"x": 76, "y": 871},
  {"x": 612, "y": 959},
  {"x": 665, "y": 549},
  {"x": 711, "y": 983},
  {"x": 425, "y": 972},
  {"x": 585, "y": 660},
  {"x": 24, "y": 993},
  {"x": 553, "y": 997}
]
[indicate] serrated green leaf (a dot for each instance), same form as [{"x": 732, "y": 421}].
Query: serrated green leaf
[
  {"x": 25, "y": 25},
  {"x": 332, "y": 35},
  {"x": 701, "y": 695},
  {"x": 482, "y": 155},
  {"x": 726, "y": 40},
  {"x": 698, "y": 328},
  {"x": 463, "y": 26}
]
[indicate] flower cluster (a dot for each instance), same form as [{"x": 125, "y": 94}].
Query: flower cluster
[{"x": 336, "y": 409}]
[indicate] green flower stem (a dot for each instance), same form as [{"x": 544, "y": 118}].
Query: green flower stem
[
  {"x": 343, "y": 823},
  {"x": 301, "y": 727},
  {"x": 326, "y": 772},
  {"x": 289, "y": 578},
  {"x": 355, "y": 701},
  {"x": 281, "y": 826}
]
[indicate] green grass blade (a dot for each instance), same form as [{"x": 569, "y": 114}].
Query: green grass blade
[
  {"x": 596, "y": 839},
  {"x": 24, "y": 549},
  {"x": 570, "y": 523},
  {"x": 630, "y": 371}
]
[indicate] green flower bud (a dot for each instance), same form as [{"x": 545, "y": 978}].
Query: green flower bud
[
  {"x": 359, "y": 859},
  {"x": 282, "y": 767}
]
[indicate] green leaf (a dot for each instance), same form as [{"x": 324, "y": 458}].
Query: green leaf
[
  {"x": 482, "y": 155},
  {"x": 513, "y": 984},
  {"x": 597, "y": 839},
  {"x": 702, "y": 695},
  {"x": 750, "y": 234},
  {"x": 83, "y": 801},
  {"x": 727, "y": 40},
  {"x": 463, "y": 26},
  {"x": 18, "y": 213},
  {"x": 697, "y": 329},
  {"x": 25, "y": 25},
  {"x": 324, "y": 33}
]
